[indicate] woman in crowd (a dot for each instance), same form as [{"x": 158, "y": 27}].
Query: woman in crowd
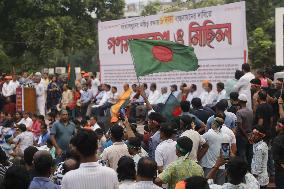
[{"x": 18, "y": 117}]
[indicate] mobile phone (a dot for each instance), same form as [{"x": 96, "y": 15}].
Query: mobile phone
[
  {"x": 122, "y": 114},
  {"x": 226, "y": 150}
]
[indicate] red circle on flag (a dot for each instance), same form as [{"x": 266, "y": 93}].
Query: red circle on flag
[{"x": 162, "y": 53}]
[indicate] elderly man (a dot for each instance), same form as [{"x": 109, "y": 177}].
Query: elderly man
[{"x": 40, "y": 97}]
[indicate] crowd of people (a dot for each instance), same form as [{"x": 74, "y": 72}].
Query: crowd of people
[{"x": 91, "y": 136}]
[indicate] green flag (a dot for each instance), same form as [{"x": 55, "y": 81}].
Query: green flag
[{"x": 153, "y": 56}]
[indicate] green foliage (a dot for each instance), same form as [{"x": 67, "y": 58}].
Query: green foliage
[
  {"x": 45, "y": 33},
  {"x": 151, "y": 9}
]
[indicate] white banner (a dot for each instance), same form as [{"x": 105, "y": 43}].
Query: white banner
[{"x": 218, "y": 35}]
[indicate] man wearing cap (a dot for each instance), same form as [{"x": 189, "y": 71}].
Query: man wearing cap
[{"x": 244, "y": 127}]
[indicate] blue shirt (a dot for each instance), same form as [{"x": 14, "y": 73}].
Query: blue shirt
[
  {"x": 86, "y": 96},
  {"x": 43, "y": 138},
  {"x": 229, "y": 122},
  {"x": 153, "y": 143},
  {"x": 42, "y": 183}
]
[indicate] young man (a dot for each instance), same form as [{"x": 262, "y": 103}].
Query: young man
[
  {"x": 44, "y": 135},
  {"x": 208, "y": 96},
  {"x": 43, "y": 166},
  {"x": 234, "y": 102},
  {"x": 23, "y": 140},
  {"x": 90, "y": 173},
  {"x": 221, "y": 91}
]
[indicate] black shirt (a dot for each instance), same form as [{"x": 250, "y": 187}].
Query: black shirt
[
  {"x": 278, "y": 152},
  {"x": 264, "y": 111},
  {"x": 203, "y": 114}
]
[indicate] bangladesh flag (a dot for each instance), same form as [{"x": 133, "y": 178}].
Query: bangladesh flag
[
  {"x": 171, "y": 108},
  {"x": 153, "y": 56}
]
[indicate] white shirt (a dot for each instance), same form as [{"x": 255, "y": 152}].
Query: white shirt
[
  {"x": 95, "y": 127},
  {"x": 176, "y": 93},
  {"x": 243, "y": 87},
  {"x": 192, "y": 95},
  {"x": 126, "y": 184},
  {"x": 214, "y": 140},
  {"x": 197, "y": 141},
  {"x": 113, "y": 98},
  {"x": 145, "y": 185},
  {"x": 259, "y": 162},
  {"x": 24, "y": 139},
  {"x": 230, "y": 133},
  {"x": 163, "y": 98},
  {"x": 222, "y": 95},
  {"x": 39, "y": 91},
  {"x": 154, "y": 96},
  {"x": 165, "y": 153},
  {"x": 89, "y": 176},
  {"x": 7, "y": 90},
  {"x": 105, "y": 98},
  {"x": 27, "y": 122},
  {"x": 208, "y": 97},
  {"x": 95, "y": 83},
  {"x": 113, "y": 153},
  {"x": 14, "y": 85}
]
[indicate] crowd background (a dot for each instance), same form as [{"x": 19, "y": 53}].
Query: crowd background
[{"x": 224, "y": 136}]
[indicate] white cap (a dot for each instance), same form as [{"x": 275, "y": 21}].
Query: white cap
[
  {"x": 37, "y": 74},
  {"x": 243, "y": 97}
]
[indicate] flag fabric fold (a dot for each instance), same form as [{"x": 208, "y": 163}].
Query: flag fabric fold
[{"x": 154, "y": 56}]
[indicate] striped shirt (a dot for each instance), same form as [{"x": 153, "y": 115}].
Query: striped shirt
[
  {"x": 145, "y": 185},
  {"x": 90, "y": 175}
]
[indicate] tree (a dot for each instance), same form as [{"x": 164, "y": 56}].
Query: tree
[
  {"x": 151, "y": 9},
  {"x": 45, "y": 33}
]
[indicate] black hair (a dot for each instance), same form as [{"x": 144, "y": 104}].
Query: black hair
[
  {"x": 134, "y": 85},
  {"x": 16, "y": 177},
  {"x": 153, "y": 85},
  {"x": 145, "y": 85},
  {"x": 185, "y": 106},
  {"x": 238, "y": 74},
  {"x": 262, "y": 95},
  {"x": 234, "y": 96},
  {"x": 196, "y": 182},
  {"x": 41, "y": 117},
  {"x": 48, "y": 142},
  {"x": 210, "y": 86},
  {"x": 194, "y": 87},
  {"x": 99, "y": 131},
  {"x": 196, "y": 103},
  {"x": 222, "y": 105},
  {"x": 147, "y": 168},
  {"x": 29, "y": 153},
  {"x": 155, "y": 116},
  {"x": 280, "y": 79},
  {"x": 22, "y": 127},
  {"x": 236, "y": 169},
  {"x": 67, "y": 168},
  {"x": 246, "y": 67},
  {"x": 255, "y": 81},
  {"x": 126, "y": 169},
  {"x": 44, "y": 126},
  {"x": 260, "y": 129},
  {"x": 185, "y": 144},
  {"x": 117, "y": 132},
  {"x": 85, "y": 142},
  {"x": 183, "y": 85},
  {"x": 134, "y": 142},
  {"x": 114, "y": 87},
  {"x": 220, "y": 85},
  {"x": 220, "y": 115},
  {"x": 107, "y": 86},
  {"x": 187, "y": 120},
  {"x": 43, "y": 163},
  {"x": 174, "y": 87},
  {"x": 167, "y": 129}
]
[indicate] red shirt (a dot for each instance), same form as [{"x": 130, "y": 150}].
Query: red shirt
[{"x": 36, "y": 128}]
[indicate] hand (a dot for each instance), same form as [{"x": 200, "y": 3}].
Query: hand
[
  {"x": 58, "y": 151},
  {"x": 280, "y": 100},
  {"x": 220, "y": 161}
]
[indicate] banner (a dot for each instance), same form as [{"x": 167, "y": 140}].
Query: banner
[{"x": 218, "y": 35}]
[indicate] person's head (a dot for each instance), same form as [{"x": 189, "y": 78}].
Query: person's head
[
  {"x": 234, "y": 98},
  {"x": 126, "y": 169},
  {"x": 174, "y": 88},
  {"x": 117, "y": 134},
  {"x": 16, "y": 177},
  {"x": 99, "y": 132},
  {"x": 238, "y": 74},
  {"x": 217, "y": 123},
  {"x": 236, "y": 170},
  {"x": 164, "y": 90},
  {"x": 260, "y": 74},
  {"x": 183, "y": 146},
  {"x": 279, "y": 83},
  {"x": 255, "y": 85},
  {"x": 134, "y": 87},
  {"x": 280, "y": 126},
  {"x": 144, "y": 86},
  {"x": 185, "y": 106},
  {"x": 258, "y": 134},
  {"x": 43, "y": 129},
  {"x": 29, "y": 153},
  {"x": 64, "y": 116},
  {"x": 22, "y": 127},
  {"x": 242, "y": 99},
  {"x": 262, "y": 96},
  {"x": 182, "y": 86},
  {"x": 146, "y": 169},
  {"x": 196, "y": 182},
  {"x": 221, "y": 106},
  {"x": 34, "y": 117},
  {"x": 107, "y": 87},
  {"x": 125, "y": 87},
  {"x": 196, "y": 103},
  {"x": 153, "y": 87},
  {"x": 41, "y": 118},
  {"x": 85, "y": 144},
  {"x": 114, "y": 89},
  {"x": 70, "y": 164},
  {"x": 210, "y": 87},
  {"x": 14, "y": 77},
  {"x": 54, "y": 78},
  {"x": 154, "y": 120},
  {"x": 246, "y": 68},
  {"x": 220, "y": 86},
  {"x": 25, "y": 74},
  {"x": 45, "y": 76},
  {"x": 26, "y": 115},
  {"x": 193, "y": 88},
  {"x": 134, "y": 145},
  {"x": 43, "y": 163},
  {"x": 186, "y": 122},
  {"x": 166, "y": 130}
]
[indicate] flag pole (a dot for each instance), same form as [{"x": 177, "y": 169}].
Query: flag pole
[{"x": 138, "y": 79}]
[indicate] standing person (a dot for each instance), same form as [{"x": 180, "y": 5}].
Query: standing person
[
  {"x": 14, "y": 84},
  {"x": 90, "y": 173},
  {"x": 126, "y": 172},
  {"x": 244, "y": 128},
  {"x": 61, "y": 134},
  {"x": 67, "y": 97},
  {"x": 243, "y": 84},
  {"x": 208, "y": 96},
  {"x": 230, "y": 84},
  {"x": 203, "y": 113},
  {"x": 95, "y": 83},
  {"x": 278, "y": 154},
  {"x": 118, "y": 149},
  {"x": 165, "y": 151},
  {"x": 43, "y": 167},
  {"x": 255, "y": 89},
  {"x": 182, "y": 168},
  {"x": 260, "y": 157},
  {"x": 40, "y": 97},
  {"x": 16, "y": 177},
  {"x": 53, "y": 95},
  {"x": 4, "y": 165},
  {"x": 146, "y": 173},
  {"x": 221, "y": 91},
  {"x": 234, "y": 103},
  {"x": 28, "y": 160},
  {"x": 214, "y": 138}
]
